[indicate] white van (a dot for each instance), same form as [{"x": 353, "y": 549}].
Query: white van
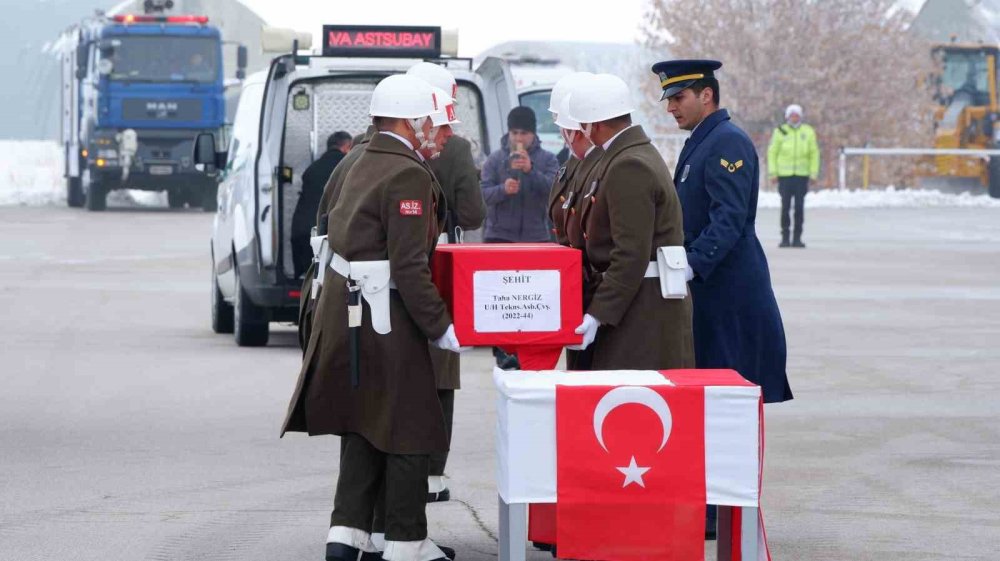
[{"x": 284, "y": 117}]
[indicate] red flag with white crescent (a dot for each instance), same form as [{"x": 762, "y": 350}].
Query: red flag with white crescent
[{"x": 630, "y": 472}]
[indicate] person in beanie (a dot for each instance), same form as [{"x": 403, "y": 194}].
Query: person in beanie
[
  {"x": 793, "y": 157},
  {"x": 516, "y": 180}
]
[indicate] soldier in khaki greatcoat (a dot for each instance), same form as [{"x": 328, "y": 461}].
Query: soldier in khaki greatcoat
[
  {"x": 629, "y": 213},
  {"x": 559, "y": 210},
  {"x": 456, "y": 173},
  {"x": 567, "y": 193},
  {"x": 307, "y": 301},
  {"x": 367, "y": 374}
]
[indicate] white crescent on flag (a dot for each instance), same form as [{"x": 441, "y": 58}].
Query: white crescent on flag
[{"x": 640, "y": 395}]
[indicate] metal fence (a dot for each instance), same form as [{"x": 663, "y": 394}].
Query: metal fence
[{"x": 845, "y": 152}]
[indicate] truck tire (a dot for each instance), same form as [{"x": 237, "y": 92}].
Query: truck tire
[
  {"x": 250, "y": 327},
  {"x": 210, "y": 197},
  {"x": 74, "y": 192},
  {"x": 994, "y": 177},
  {"x": 97, "y": 194},
  {"x": 176, "y": 198},
  {"x": 222, "y": 311}
]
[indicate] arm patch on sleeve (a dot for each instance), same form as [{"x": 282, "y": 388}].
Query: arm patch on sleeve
[{"x": 411, "y": 208}]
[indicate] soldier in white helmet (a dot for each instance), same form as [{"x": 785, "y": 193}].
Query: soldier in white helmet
[
  {"x": 629, "y": 211},
  {"x": 458, "y": 177},
  {"x": 366, "y": 374},
  {"x": 566, "y": 200}
]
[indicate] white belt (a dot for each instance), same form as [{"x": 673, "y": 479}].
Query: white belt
[
  {"x": 652, "y": 270},
  {"x": 373, "y": 278}
]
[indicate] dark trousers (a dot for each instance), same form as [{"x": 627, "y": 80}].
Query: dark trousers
[
  {"x": 368, "y": 476},
  {"x": 439, "y": 459},
  {"x": 793, "y": 191},
  {"x": 436, "y": 460}
]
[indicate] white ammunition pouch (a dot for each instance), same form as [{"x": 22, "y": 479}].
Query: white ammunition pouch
[
  {"x": 321, "y": 256},
  {"x": 373, "y": 278},
  {"x": 671, "y": 268}
]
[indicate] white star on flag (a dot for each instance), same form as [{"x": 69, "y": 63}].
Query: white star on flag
[{"x": 633, "y": 474}]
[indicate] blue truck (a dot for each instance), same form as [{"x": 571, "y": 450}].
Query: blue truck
[{"x": 136, "y": 90}]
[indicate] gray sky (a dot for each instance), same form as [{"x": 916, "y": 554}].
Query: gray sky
[{"x": 481, "y": 24}]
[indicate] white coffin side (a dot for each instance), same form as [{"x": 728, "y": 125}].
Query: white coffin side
[{"x": 526, "y": 434}]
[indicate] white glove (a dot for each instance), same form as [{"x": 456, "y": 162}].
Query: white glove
[
  {"x": 449, "y": 341},
  {"x": 688, "y": 273},
  {"x": 589, "y": 331}
]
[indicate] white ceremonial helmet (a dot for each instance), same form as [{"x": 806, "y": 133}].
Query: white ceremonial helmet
[
  {"x": 563, "y": 119},
  {"x": 564, "y": 86},
  {"x": 445, "y": 109},
  {"x": 435, "y": 75},
  {"x": 599, "y": 98},
  {"x": 402, "y": 97},
  {"x": 444, "y": 114}
]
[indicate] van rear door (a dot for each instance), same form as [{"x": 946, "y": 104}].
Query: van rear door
[
  {"x": 500, "y": 97},
  {"x": 268, "y": 175}
]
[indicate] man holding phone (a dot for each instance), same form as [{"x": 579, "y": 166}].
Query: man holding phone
[{"x": 516, "y": 181}]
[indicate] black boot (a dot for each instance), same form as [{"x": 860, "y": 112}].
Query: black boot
[
  {"x": 341, "y": 552},
  {"x": 784, "y": 240},
  {"x": 506, "y": 361},
  {"x": 797, "y": 242}
]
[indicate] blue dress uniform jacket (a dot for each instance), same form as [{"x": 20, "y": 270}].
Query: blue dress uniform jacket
[{"x": 736, "y": 319}]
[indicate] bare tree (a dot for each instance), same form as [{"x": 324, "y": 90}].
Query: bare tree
[{"x": 853, "y": 64}]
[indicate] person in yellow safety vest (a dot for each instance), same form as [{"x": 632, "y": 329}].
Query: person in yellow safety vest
[{"x": 793, "y": 158}]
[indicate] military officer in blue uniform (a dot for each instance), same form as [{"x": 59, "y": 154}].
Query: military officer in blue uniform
[{"x": 736, "y": 319}]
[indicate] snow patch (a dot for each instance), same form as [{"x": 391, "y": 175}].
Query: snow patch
[
  {"x": 883, "y": 198},
  {"x": 31, "y": 174}
]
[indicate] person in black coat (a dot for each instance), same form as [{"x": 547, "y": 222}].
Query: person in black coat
[{"x": 313, "y": 181}]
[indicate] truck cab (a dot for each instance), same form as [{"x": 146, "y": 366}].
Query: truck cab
[
  {"x": 136, "y": 89},
  {"x": 283, "y": 119}
]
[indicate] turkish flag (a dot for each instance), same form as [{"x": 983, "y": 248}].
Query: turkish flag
[{"x": 630, "y": 475}]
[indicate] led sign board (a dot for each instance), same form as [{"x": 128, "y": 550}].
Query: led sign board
[{"x": 381, "y": 41}]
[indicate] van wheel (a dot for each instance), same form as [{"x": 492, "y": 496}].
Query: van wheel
[
  {"x": 176, "y": 198},
  {"x": 222, "y": 311},
  {"x": 97, "y": 194},
  {"x": 250, "y": 326},
  {"x": 74, "y": 192}
]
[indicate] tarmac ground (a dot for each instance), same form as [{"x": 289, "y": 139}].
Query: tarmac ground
[{"x": 129, "y": 431}]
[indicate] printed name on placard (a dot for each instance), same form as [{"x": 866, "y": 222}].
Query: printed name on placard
[{"x": 513, "y": 301}]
